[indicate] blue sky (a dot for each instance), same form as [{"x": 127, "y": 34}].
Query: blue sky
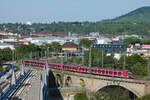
[{"x": 47, "y": 11}]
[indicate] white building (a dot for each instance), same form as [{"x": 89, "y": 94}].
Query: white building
[
  {"x": 50, "y": 39},
  {"x": 4, "y": 45},
  {"x": 11, "y": 39},
  {"x": 103, "y": 41}
]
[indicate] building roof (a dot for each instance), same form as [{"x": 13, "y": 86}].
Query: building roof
[
  {"x": 41, "y": 33},
  {"x": 69, "y": 45},
  {"x": 145, "y": 46},
  {"x": 110, "y": 35},
  {"x": 59, "y": 34}
]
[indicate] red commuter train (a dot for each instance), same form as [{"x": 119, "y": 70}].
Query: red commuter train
[{"x": 83, "y": 69}]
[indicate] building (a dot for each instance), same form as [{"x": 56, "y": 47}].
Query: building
[
  {"x": 116, "y": 49},
  {"x": 4, "y": 45},
  {"x": 103, "y": 41},
  {"x": 111, "y": 48},
  {"x": 70, "y": 46},
  {"x": 40, "y": 34},
  {"x": 144, "y": 51}
]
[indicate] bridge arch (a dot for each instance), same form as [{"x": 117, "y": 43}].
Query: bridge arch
[
  {"x": 68, "y": 81},
  {"x": 132, "y": 90},
  {"x": 82, "y": 82},
  {"x": 59, "y": 80}
]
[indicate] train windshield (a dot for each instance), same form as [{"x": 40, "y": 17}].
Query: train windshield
[{"x": 129, "y": 73}]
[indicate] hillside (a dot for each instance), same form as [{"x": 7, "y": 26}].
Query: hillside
[{"x": 140, "y": 15}]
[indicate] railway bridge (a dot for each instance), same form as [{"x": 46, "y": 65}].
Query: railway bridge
[{"x": 95, "y": 83}]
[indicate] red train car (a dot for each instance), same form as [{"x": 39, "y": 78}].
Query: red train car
[{"x": 83, "y": 69}]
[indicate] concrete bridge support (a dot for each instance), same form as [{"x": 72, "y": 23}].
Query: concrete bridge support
[{"x": 95, "y": 83}]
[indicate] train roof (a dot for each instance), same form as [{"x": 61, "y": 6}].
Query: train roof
[{"x": 84, "y": 66}]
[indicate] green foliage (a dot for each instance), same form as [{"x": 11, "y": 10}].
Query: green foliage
[
  {"x": 135, "y": 63},
  {"x": 5, "y": 55},
  {"x": 145, "y": 41},
  {"x": 96, "y": 59},
  {"x": 80, "y": 96},
  {"x": 85, "y": 42},
  {"x": 1, "y": 69},
  {"x": 80, "y": 27},
  {"x": 34, "y": 51},
  {"x": 135, "y": 58},
  {"x": 56, "y": 46},
  {"x": 139, "y": 69},
  {"x": 25, "y": 51},
  {"x": 113, "y": 93},
  {"x": 96, "y": 55},
  {"x": 146, "y": 97},
  {"x": 132, "y": 40},
  {"x": 140, "y": 15}
]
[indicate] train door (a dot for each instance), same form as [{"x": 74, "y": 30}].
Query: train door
[{"x": 125, "y": 74}]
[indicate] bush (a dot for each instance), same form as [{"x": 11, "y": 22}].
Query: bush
[
  {"x": 146, "y": 97},
  {"x": 80, "y": 96}
]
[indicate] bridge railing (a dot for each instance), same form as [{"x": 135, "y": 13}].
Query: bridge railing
[{"x": 70, "y": 89}]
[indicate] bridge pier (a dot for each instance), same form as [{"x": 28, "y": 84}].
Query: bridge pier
[
  {"x": 147, "y": 87},
  {"x": 22, "y": 68},
  {"x": 13, "y": 78}
]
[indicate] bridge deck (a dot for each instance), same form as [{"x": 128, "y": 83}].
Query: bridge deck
[{"x": 135, "y": 80}]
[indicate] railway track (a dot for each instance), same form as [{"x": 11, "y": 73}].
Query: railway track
[{"x": 12, "y": 91}]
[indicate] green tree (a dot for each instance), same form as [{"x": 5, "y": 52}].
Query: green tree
[
  {"x": 132, "y": 40},
  {"x": 135, "y": 63},
  {"x": 85, "y": 42},
  {"x": 56, "y": 47},
  {"x": 7, "y": 54},
  {"x": 111, "y": 93},
  {"x": 96, "y": 59},
  {"x": 96, "y": 56},
  {"x": 135, "y": 58},
  {"x": 145, "y": 41},
  {"x": 25, "y": 51},
  {"x": 146, "y": 97},
  {"x": 80, "y": 96}
]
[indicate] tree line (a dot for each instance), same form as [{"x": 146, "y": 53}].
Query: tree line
[
  {"x": 79, "y": 27},
  {"x": 133, "y": 40}
]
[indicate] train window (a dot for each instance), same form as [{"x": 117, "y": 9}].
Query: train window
[
  {"x": 122, "y": 73},
  {"x": 110, "y": 72},
  {"x": 92, "y": 70},
  {"x": 80, "y": 69},
  {"x": 86, "y": 70},
  {"x": 106, "y": 72},
  {"x": 83, "y": 69},
  {"x": 129, "y": 73},
  {"x": 103, "y": 72},
  {"x": 96, "y": 71},
  {"x": 119, "y": 73},
  {"x": 115, "y": 73}
]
